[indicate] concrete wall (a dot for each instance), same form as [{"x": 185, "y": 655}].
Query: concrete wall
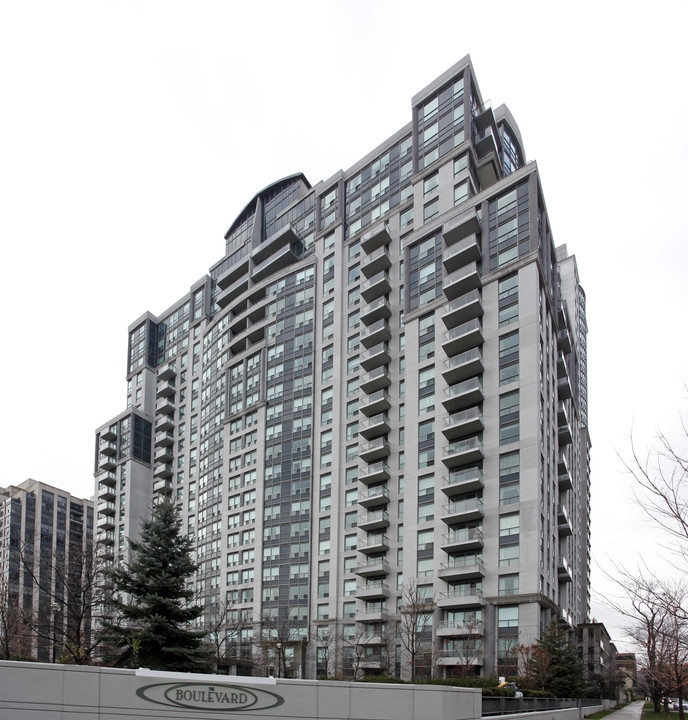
[{"x": 37, "y": 691}]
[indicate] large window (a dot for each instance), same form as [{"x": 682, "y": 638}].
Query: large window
[{"x": 509, "y": 418}]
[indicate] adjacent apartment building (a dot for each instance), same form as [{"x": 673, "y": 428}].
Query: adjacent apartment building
[
  {"x": 46, "y": 542},
  {"x": 374, "y": 409}
]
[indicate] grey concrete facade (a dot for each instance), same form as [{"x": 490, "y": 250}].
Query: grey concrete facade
[{"x": 374, "y": 406}]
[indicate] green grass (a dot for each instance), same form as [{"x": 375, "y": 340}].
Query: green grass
[{"x": 650, "y": 714}]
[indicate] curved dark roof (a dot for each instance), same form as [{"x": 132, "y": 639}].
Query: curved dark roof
[{"x": 273, "y": 186}]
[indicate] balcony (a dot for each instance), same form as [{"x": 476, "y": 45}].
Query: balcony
[
  {"x": 376, "y": 333},
  {"x": 562, "y": 464},
  {"x": 108, "y": 448},
  {"x": 374, "y": 450},
  {"x": 462, "y": 423},
  {"x": 563, "y": 380},
  {"x": 563, "y": 521},
  {"x": 466, "y": 224},
  {"x": 564, "y": 480},
  {"x": 373, "y": 590},
  {"x": 373, "y": 497},
  {"x": 463, "y": 337},
  {"x": 376, "y": 237},
  {"x": 278, "y": 261},
  {"x": 464, "y": 511},
  {"x": 464, "y": 308},
  {"x": 462, "y": 452},
  {"x": 164, "y": 437},
  {"x": 462, "y": 481},
  {"x": 233, "y": 291},
  {"x": 375, "y": 520},
  {"x": 372, "y": 616},
  {"x": 460, "y": 597},
  {"x": 564, "y": 570},
  {"x": 283, "y": 238},
  {"x": 167, "y": 371},
  {"x": 472, "y": 654},
  {"x": 106, "y": 522},
  {"x": 375, "y": 426},
  {"x": 164, "y": 423},
  {"x": 106, "y": 507},
  {"x": 375, "y": 380},
  {"x": 166, "y": 388},
  {"x": 164, "y": 406},
  {"x": 163, "y": 454},
  {"x": 376, "y": 286},
  {"x": 106, "y": 537},
  {"x": 373, "y": 566},
  {"x": 465, "y": 365},
  {"x": 564, "y": 340},
  {"x": 105, "y": 492},
  {"x": 462, "y": 568},
  {"x": 375, "y": 357},
  {"x": 375, "y": 403},
  {"x": 162, "y": 487},
  {"x": 464, "y": 539},
  {"x": 463, "y": 252},
  {"x": 233, "y": 273},
  {"x": 374, "y": 473},
  {"x": 455, "y": 628},
  {"x": 376, "y": 262},
  {"x": 109, "y": 433},
  {"x": 376, "y": 310},
  {"x": 108, "y": 478},
  {"x": 163, "y": 470},
  {"x": 106, "y": 462},
  {"x": 464, "y": 394},
  {"x": 373, "y": 544},
  {"x": 461, "y": 281},
  {"x": 486, "y": 141},
  {"x": 564, "y": 433}
]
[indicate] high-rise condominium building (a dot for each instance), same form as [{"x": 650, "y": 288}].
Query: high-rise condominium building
[
  {"x": 372, "y": 412},
  {"x": 46, "y": 543}
]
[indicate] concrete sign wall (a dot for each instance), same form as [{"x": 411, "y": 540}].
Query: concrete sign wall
[{"x": 37, "y": 691}]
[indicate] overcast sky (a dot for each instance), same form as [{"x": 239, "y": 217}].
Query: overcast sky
[{"x": 133, "y": 133}]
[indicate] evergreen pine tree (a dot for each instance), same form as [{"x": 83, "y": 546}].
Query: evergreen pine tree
[
  {"x": 152, "y": 603},
  {"x": 565, "y": 671}
]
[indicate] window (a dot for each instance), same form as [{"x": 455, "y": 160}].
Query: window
[
  {"x": 509, "y": 418},
  {"x": 431, "y": 210},
  {"x": 406, "y": 218},
  {"x": 507, "y": 616},
  {"x": 508, "y": 555},
  {"x": 426, "y": 540},
  {"x": 424, "y": 567},
  {"x": 509, "y": 525},
  {"x": 508, "y": 585},
  {"x": 508, "y": 300},
  {"x": 431, "y": 183},
  {"x": 461, "y": 192},
  {"x": 426, "y": 378}
]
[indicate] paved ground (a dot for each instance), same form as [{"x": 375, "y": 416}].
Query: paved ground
[{"x": 633, "y": 711}]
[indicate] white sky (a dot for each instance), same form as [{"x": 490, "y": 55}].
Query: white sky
[{"x": 133, "y": 133}]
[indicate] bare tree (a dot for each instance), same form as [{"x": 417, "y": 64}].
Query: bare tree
[
  {"x": 656, "y": 618},
  {"x": 662, "y": 480},
  {"x": 12, "y": 626},
  {"x": 414, "y": 629},
  {"x": 223, "y": 624},
  {"x": 468, "y": 645},
  {"x": 327, "y": 656},
  {"x": 75, "y": 589},
  {"x": 280, "y": 642}
]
